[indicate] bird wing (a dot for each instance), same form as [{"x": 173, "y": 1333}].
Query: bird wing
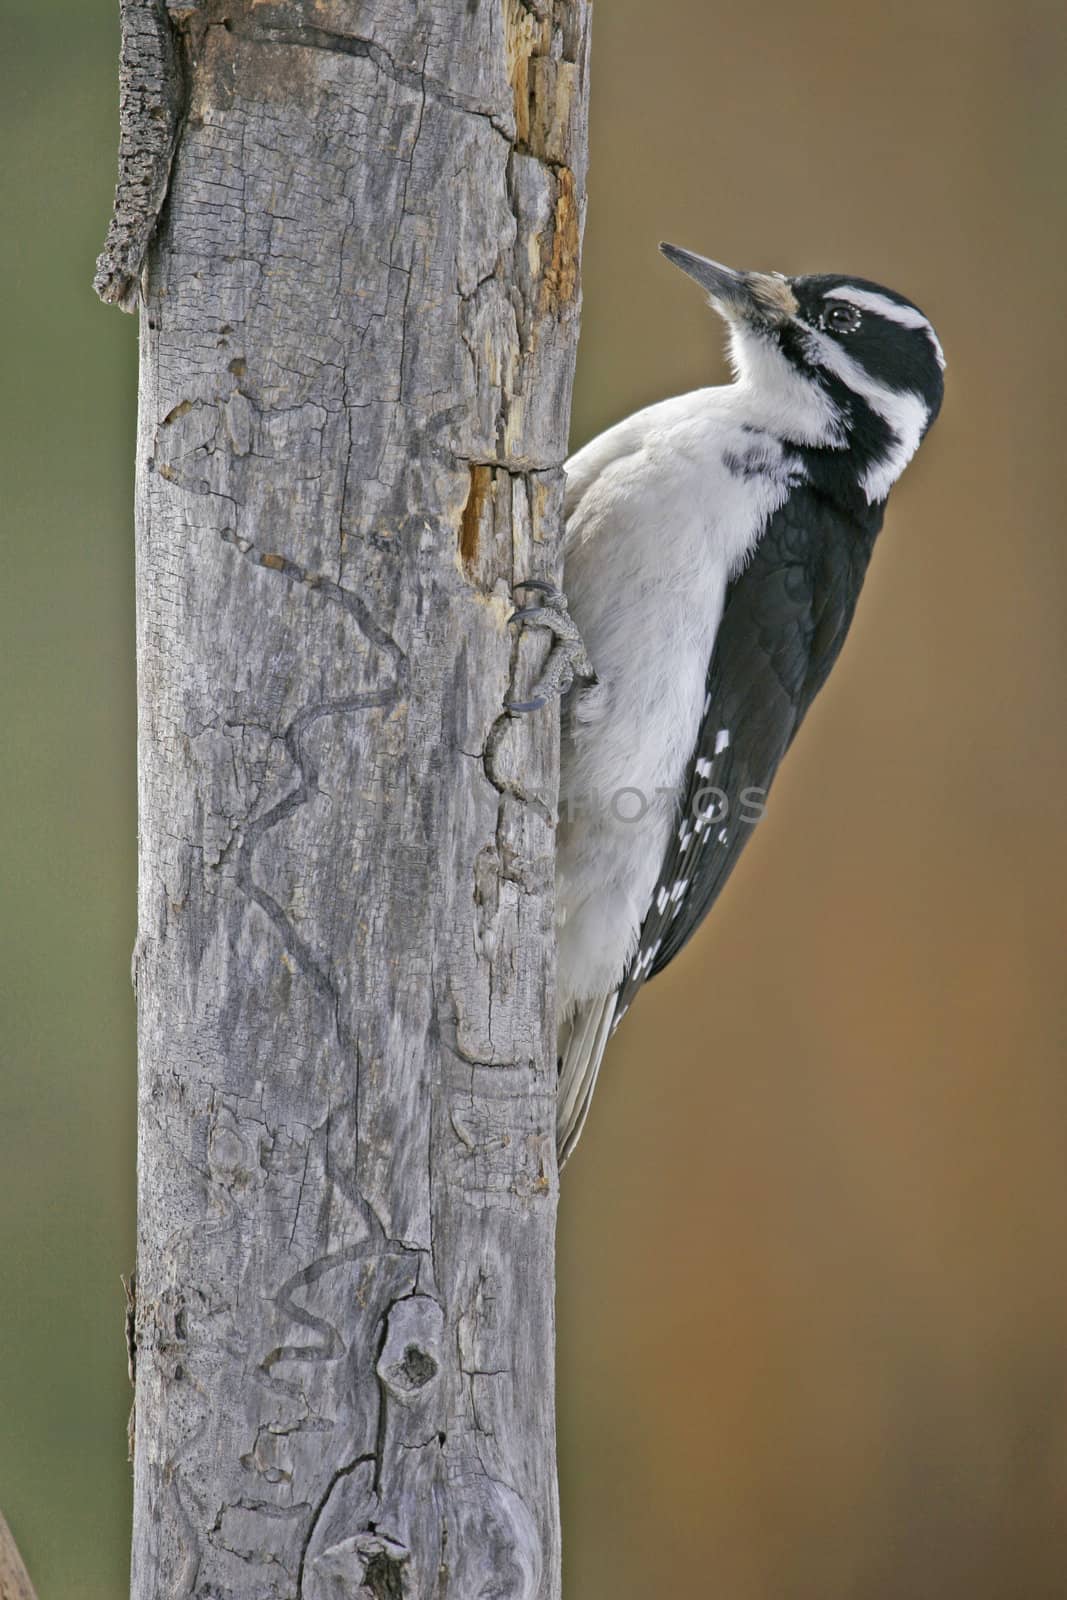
[{"x": 784, "y": 621}]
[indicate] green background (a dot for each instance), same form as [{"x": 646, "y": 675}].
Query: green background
[{"x": 813, "y": 1306}]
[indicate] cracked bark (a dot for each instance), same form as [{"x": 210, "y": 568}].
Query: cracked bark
[{"x": 352, "y": 232}]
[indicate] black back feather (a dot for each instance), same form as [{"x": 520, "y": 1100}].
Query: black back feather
[{"x": 784, "y": 621}]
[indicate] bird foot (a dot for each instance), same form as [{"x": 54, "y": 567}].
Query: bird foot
[{"x": 567, "y": 658}]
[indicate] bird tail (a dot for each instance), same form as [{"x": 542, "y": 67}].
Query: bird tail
[{"x": 582, "y": 1041}]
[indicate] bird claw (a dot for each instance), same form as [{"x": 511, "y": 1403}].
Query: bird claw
[
  {"x": 550, "y": 612},
  {"x": 543, "y": 585},
  {"x": 517, "y": 707},
  {"x": 567, "y": 658}
]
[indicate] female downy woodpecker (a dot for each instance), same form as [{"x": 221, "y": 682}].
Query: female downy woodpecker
[{"x": 714, "y": 551}]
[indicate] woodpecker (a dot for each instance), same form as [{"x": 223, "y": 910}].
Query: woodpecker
[{"x": 715, "y": 547}]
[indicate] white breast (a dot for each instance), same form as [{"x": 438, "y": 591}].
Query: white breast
[{"x": 662, "y": 511}]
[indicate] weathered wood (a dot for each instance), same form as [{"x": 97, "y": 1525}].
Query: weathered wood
[
  {"x": 150, "y": 101},
  {"x": 14, "y": 1579},
  {"x": 359, "y": 321}
]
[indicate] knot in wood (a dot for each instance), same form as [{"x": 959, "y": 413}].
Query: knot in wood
[{"x": 411, "y": 1353}]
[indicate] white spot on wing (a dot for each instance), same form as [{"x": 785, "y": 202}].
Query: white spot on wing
[
  {"x": 646, "y": 958},
  {"x": 722, "y": 739},
  {"x": 703, "y": 768}
]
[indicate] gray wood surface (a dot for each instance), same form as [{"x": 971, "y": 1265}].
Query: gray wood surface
[
  {"x": 14, "y": 1579},
  {"x": 359, "y": 316}
]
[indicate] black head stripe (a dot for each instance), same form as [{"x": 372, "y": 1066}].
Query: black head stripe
[{"x": 898, "y": 356}]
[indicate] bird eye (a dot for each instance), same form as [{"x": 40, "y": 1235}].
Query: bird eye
[{"x": 841, "y": 318}]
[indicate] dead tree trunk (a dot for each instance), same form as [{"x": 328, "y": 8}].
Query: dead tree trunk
[
  {"x": 14, "y": 1579},
  {"x": 359, "y": 313}
]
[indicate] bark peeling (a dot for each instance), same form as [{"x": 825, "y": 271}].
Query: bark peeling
[
  {"x": 359, "y": 316},
  {"x": 151, "y": 94}
]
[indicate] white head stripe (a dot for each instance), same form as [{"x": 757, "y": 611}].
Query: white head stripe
[
  {"x": 892, "y": 310},
  {"x": 905, "y": 412}
]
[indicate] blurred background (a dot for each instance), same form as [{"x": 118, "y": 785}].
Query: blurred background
[{"x": 813, "y": 1294}]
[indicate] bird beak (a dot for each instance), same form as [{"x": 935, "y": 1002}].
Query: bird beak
[{"x": 761, "y": 297}]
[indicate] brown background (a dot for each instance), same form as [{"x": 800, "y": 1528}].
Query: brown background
[{"x": 813, "y": 1320}]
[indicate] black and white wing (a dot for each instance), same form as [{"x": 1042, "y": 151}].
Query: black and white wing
[{"x": 784, "y": 621}]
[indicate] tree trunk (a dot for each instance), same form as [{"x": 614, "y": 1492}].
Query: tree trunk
[
  {"x": 14, "y": 1579},
  {"x": 359, "y": 314}
]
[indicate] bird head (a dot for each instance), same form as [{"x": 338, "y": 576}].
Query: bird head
[{"x": 838, "y": 364}]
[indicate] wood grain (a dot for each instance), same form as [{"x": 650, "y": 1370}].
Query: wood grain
[
  {"x": 14, "y": 1579},
  {"x": 359, "y": 320}
]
